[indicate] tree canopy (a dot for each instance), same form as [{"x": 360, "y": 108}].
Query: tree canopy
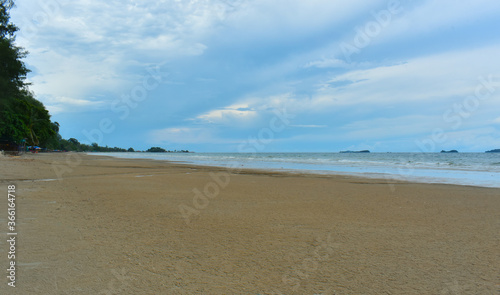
[{"x": 22, "y": 116}]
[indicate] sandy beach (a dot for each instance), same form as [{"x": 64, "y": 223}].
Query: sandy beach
[{"x": 99, "y": 225}]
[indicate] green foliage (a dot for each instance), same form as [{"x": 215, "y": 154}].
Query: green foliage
[
  {"x": 74, "y": 145},
  {"x": 21, "y": 115},
  {"x": 156, "y": 150},
  {"x": 162, "y": 150},
  {"x": 106, "y": 149},
  {"x": 12, "y": 69}
]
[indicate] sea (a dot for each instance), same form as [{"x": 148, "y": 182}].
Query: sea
[{"x": 475, "y": 169}]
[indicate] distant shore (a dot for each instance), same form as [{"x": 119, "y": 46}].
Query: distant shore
[{"x": 98, "y": 225}]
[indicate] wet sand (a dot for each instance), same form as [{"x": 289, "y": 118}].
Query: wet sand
[{"x": 98, "y": 225}]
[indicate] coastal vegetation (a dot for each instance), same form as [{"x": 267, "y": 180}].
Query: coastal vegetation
[
  {"x": 162, "y": 150},
  {"x": 156, "y": 150},
  {"x": 24, "y": 120},
  {"x": 22, "y": 117},
  {"x": 73, "y": 144}
]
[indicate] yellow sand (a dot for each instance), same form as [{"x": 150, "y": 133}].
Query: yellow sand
[{"x": 114, "y": 226}]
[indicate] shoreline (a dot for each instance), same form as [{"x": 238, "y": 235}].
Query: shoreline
[
  {"x": 390, "y": 178},
  {"x": 116, "y": 226}
]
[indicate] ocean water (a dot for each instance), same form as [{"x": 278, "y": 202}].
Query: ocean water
[{"x": 477, "y": 169}]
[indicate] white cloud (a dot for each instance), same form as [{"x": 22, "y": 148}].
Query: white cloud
[
  {"x": 61, "y": 104},
  {"x": 74, "y": 101},
  {"x": 272, "y": 21},
  {"x": 431, "y": 16},
  {"x": 229, "y": 115},
  {"x": 413, "y": 22},
  {"x": 82, "y": 47},
  {"x": 429, "y": 78},
  {"x": 264, "y": 55}
]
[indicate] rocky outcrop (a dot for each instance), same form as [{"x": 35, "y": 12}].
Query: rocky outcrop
[
  {"x": 354, "y": 152},
  {"x": 494, "y": 151},
  {"x": 450, "y": 151}
]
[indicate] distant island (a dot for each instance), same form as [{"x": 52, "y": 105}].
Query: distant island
[
  {"x": 493, "y": 151},
  {"x": 450, "y": 151},
  {"x": 162, "y": 150},
  {"x": 354, "y": 152}
]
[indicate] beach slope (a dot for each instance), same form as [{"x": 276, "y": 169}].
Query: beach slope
[{"x": 99, "y": 225}]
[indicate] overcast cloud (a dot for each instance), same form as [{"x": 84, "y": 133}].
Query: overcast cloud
[{"x": 206, "y": 75}]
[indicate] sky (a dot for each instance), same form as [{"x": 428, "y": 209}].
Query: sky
[{"x": 268, "y": 76}]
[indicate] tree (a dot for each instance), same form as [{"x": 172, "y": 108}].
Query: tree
[
  {"x": 156, "y": 150},
  {"x": 21, "y": 115},
  {"x": 12, "y": 70},
  {"x": 96, "y": 147}
]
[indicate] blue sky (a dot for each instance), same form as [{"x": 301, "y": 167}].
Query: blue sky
[{"x": 270, "y": 76}]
